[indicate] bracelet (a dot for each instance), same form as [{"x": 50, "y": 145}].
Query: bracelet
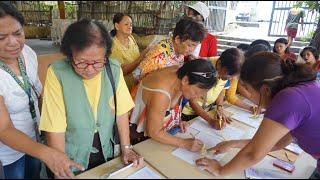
[
  {"x": 127, "y": 146},
  {"x": 219, "y": 105}
]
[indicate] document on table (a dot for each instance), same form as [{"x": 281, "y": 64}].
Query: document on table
[
  {"x": 244, "y": 116},
  {"x": 259, "y": 173},
  {"x": 251, "y": 132},
  {"x": 294, "y": 148},
  {"x": 191, "y": 157},
  {"x": 247, "y": 101},
  {"x": 144, "y": 173},
  {"x": 228, "y": 133},
  {"x": 107, "y": 175}
]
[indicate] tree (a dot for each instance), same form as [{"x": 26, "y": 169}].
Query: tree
[{"x": 313, "y": 6}]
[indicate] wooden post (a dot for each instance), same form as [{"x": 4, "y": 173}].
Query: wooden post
[{"x": 62, "y": 10}]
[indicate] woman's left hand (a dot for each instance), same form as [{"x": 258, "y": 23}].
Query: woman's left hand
[
  {"x": 128, "y": 155},
  {"x": 212, "y": 166}
]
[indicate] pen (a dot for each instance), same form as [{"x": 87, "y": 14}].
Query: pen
[
  {"x": 203, "y": 151},
  {"x": 220, "y": 121},
  {"x": 287, "y": 156}
]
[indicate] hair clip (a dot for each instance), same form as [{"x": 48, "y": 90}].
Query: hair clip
[{"x": 205, "y": 74}]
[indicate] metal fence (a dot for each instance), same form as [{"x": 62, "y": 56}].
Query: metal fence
[
  {"x": 217, "y": 18},
  {"x": 279, "y": 16}
]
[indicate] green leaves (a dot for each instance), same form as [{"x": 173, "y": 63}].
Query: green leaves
[{"x": 312, "y": 5}]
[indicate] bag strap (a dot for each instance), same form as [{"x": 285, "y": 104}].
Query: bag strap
[
  {"x": 26, "y": 86},
  {"x": 110, "y": 76}
]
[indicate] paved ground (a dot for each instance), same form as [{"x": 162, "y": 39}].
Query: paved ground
[
  {"x": 260, "y": 32},
  {"x": 42, "y": 46}
]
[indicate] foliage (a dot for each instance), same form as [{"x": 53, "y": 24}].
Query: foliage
[
  {"x": 70, "y": 9},
  {"x": 308, "y": 37},
  {"x": 312, "y": 5}
]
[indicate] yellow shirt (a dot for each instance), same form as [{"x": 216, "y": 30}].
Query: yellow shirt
[
  {"x": 212, "y": 96},
  {"x": 230, "y": 92},
  {"x": 53, "y": 117},
  {"x": 214, "y": 92},
  {"x": 125, "y": 56}
]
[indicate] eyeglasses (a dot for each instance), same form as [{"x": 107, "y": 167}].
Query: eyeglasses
[
  {"x": 205, "y": 74},
  {"x": 95, "y": 64}
]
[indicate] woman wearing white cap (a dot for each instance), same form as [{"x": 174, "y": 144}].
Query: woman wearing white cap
[{"x": 208, "y": 47}]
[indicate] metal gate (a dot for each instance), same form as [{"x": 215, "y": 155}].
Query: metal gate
[
  {"x": 279, "y": 16},
  {"x": 217, "y": 18}
]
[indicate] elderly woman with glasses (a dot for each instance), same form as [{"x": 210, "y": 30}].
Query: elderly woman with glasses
[
  {"x": 20, "y": 148},
  {"x": 82, "y": 96},
  {"x": 158, "y": 94}
]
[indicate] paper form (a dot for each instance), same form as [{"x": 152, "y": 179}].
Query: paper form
[
  {"x": 144, "y": 173},
  {"x": 294, "y": 148},
  {"x": 247, "y": 101},
  {"x": 118, "y": 171},
  {"x": 228, "y": 133},
  {"x": 244, "y": 116},
  {"x": 251, "y": 133},
  {"x": 191, "y": 157},
  {"x": 259, "y": 173}
]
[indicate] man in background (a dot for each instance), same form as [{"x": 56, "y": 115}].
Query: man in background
[{"x": 292, "y": 22}]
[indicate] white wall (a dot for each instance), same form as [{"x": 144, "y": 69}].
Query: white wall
[{"x": 264, "y": 10}]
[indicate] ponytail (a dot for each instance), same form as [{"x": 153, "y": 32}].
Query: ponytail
[
  {"x": 117, "y": 18},
  {"x": 267, "y": 68},
  {"x": 113, "y": 32},
  {"x": 295, "y": 74}
]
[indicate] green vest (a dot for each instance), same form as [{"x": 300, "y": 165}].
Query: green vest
[{"x": 81, "y": 124}]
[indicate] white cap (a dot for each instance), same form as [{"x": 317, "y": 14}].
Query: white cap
[{"x": 201, "y": 8}]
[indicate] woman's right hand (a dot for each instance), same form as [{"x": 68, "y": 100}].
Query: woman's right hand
[
  {"x": 60, "y": 164},
  {"x": 216, "y": 125},
  {"x": 222, "y": 147},
  {"x": 194, "y": 145}
]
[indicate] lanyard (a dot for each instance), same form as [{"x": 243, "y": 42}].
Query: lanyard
[{"x": 26, "y": 86}]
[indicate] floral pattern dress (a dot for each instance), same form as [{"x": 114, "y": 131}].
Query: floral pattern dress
[{"x": 160, "y": 56}]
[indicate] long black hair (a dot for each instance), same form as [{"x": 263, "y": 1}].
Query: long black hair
[
  {"x": 232, "y": 59},
  {"x": 283, "y": 41},
  {"x": 267, "y": 68},
  {"x": 8, "y": 9},
  {"x": 193, "y": 68},
  {"x": 117, "y": 18},
  {"x": 312, "y": 49}
]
